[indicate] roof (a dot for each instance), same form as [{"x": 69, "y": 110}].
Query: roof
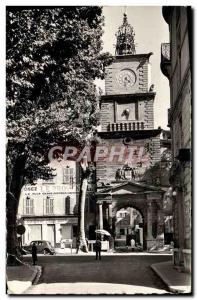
[{"x": 129, "y": 187}]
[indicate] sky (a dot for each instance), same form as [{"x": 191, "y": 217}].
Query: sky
[{"x": 150, "y": 31}]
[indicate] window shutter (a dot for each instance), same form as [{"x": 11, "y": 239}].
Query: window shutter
[
  {"x": 47, "y": 205},
  {"x": 51, "y": 205},
  {"x": 31, "y": 206}
]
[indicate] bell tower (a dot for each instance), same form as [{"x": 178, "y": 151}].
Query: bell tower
[
  {"x": 125, "y": 38},
  {"x": 127, "y": 112},
  {"x": 129, "y": 93}
]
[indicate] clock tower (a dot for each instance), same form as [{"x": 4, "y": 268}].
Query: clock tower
[
  {"x": 127, "y": 124},
  {"x": 127, "y": 106},
  {"x": 129, "y": 93}
]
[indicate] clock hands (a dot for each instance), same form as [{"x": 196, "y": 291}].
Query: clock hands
[
  {"x": 126, "y": 78},
  {"x": 126, "y": 81}
]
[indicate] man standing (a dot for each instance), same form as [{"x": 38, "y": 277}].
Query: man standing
[
  {"x": 34, "y": 253},
  {"x": 98, "y": 249}
]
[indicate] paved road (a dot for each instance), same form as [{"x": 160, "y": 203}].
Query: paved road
[{"x": 113, "y": 274}]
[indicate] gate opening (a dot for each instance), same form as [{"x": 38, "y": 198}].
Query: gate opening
[{"x": 129, "y": 229}]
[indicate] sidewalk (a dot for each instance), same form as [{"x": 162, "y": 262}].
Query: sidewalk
[
  {"x": 177, "y": 282},
  {"x": 21, "y": 278}
]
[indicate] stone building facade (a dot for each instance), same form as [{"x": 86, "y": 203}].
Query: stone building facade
[
  {"x": 176, "y": 65},
  {"x": 49, "y": 209}
]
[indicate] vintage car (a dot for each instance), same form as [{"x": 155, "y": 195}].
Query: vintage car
[{"x": 43, "y": 247}]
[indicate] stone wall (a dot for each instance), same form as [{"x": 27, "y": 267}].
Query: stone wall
[
  {"x": 139, "y": 65},
  {"x": 111, "y": 109},
  {"x": 106, "y": 170}
]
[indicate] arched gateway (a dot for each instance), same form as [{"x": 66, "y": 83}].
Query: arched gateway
[{"x": 146, "y": 199}]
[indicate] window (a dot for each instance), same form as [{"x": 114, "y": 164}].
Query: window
[
  {"x": 122, "y": 215},
  {"x": 127, "y": 112},
  {"x": 122, "y": 232},
  {"x": 29, "y": 206},
  {"x": 68, "y": 176},
  {"x": 75, "y": 231},
  {"x": 49, "y": 205},
  {"x": 67, "y": 205}
]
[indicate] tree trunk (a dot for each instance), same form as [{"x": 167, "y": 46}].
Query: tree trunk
[
  {"x": 81, "y": 243},
  {"x": 11, "y": 211},
  {"x": 12, "y": 201}
]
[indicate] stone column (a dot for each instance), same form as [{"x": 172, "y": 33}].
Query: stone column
[
  {"x": 110, "y": 215},
  {"x": 149, "y": 221},
  {"x": 160, "y": 222},
  {"x": 160, "y": 228},
  {"x": 100, "y": 216}
]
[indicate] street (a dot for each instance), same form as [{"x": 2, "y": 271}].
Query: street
[{"x": 115, "y": 274}]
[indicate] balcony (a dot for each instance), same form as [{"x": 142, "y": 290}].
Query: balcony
[
  {"x": 126, "y": 126},
  {"x": 165, "y": 59}
]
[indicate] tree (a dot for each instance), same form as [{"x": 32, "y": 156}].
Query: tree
[{"x": 53, "y": 57}]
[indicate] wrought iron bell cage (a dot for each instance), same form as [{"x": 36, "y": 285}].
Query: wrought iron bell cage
[{"x": 125, "y": 43}]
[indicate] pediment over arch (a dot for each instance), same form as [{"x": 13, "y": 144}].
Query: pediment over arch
[{"x": 129, "y": 187}]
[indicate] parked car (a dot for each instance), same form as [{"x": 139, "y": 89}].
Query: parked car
[{"x": 44, "y": 247}]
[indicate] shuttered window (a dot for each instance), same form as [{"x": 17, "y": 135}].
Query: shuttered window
[
  {"x": 29, "y": 206},
  {"x": 68, "y": 176},
  {"x": 49, "y": 205}
]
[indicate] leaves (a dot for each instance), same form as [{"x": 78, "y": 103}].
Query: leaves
[{"x": 52, "y": 59}]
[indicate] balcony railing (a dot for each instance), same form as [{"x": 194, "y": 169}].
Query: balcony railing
[
  {"x": 126, "y": 126},
  {"x": 165, "y": 59}
]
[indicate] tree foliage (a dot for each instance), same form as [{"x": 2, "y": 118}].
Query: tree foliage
[{"x": 53, "y": 57}]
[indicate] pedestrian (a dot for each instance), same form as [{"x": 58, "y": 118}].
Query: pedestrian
[
  {"x": 98, "y": 249},
  {"x": 128, "y": 240},
  {"x": 34, "y": 253},
  {"x": 132, "y": 244}
]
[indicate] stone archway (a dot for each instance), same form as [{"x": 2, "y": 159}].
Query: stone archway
[
  {"x": 140, "y": 206},
  {"x": 148, "y": 201}
]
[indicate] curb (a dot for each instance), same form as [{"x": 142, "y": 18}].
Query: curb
[
  {"x": 166, "y": 281},
  {"x": 35, "y": 277},
  {"x": 37, "y": 272}
]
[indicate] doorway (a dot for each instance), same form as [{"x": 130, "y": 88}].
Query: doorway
[
  {"x": 51, "y": 234},
  {"x": 128, "y": 226}
]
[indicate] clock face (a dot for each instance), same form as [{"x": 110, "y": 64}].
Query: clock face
[{"x": 126, "y": 78}]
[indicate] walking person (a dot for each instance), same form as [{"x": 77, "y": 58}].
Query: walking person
[
  {"x": 98, "y": 249},
  {"x": 34, "y": 254}
]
